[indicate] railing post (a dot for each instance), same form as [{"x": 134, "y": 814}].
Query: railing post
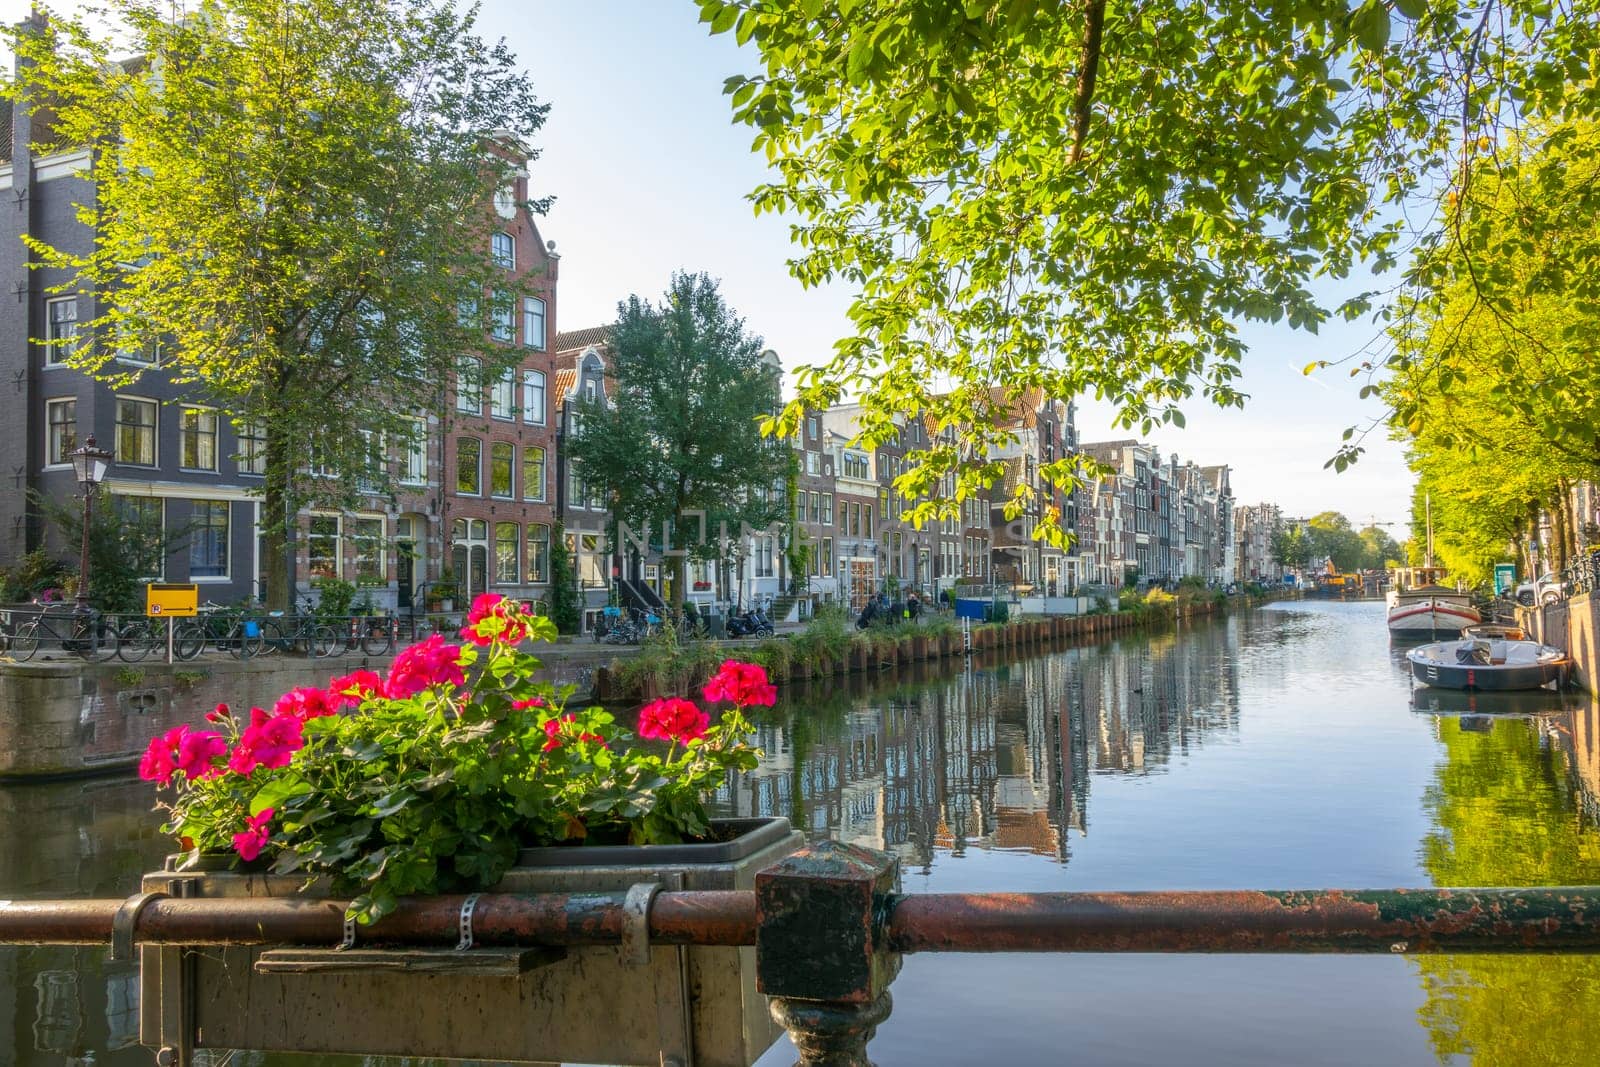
[{"x": 821, "y": 953}]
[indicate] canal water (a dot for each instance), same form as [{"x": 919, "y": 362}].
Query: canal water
[{"x": 1279, "y": 748}]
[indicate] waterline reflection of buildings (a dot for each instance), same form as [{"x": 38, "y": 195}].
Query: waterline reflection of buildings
[{"x": 994, "y": 757}]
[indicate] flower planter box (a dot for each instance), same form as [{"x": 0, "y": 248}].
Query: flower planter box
[{"x": 586, "y": 1005}]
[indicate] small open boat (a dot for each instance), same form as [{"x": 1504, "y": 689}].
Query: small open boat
[{"x": 1488, "y": 664}]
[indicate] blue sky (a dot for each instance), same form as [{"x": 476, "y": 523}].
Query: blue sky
[{"x": 650, "y": 176}]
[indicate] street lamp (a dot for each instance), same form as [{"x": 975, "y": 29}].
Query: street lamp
[{"x": 89, "y": 463}]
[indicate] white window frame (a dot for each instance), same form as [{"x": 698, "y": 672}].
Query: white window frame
[
  {"x": 414, "y": 455},
  {"x": 155, "y": 430},
  {"x": 503, "y": 396},
  {"x": 516, "y": 552},
  {"x": 356, "y": 540},
  {"x": 251, "y": 437},
  {"x": 55, "y": 349},
  {"x": 470, "y": 374},
  {"x": 511, "y": 471},
  {"x": 533, "y": 309},
  {"x": 50, "y": 457},
  {"x": 161, "y": 523},
  {"x": 535, "y": 493},
  {"x": 455, "y": 481},
  {"x": 533, "y": 397},
  {"x": 502, "y": 318},
  {"x": 227, "y": 541},
  {"x": 503, "y": 250},
  {"x": 338, "y": 544},
  {"x": 543, "y": 572},
  {"x": 183, "y": 431}
]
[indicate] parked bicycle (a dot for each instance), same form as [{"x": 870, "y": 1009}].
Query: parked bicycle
[
  {"x": 224, "y": 629},
  {"x": 93, "y": 636}
]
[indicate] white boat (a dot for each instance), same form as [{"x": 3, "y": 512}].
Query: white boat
[
  {"x": 1495, "y": 664},
  {"x": 1420, "y": 606}
]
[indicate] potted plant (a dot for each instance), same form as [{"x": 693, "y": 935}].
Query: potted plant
[
  {"x": 444, "y": 590},
  {"x": 461, "y": 771}
]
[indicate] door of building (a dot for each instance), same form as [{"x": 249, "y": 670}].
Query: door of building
[{"x": 862, "y": 585}]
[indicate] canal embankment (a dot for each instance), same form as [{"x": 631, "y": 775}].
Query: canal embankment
[
  {"x": 831, "y": 646},
  {"x": 1572, "y": 624},
  {"x": 64, "y": 717}
]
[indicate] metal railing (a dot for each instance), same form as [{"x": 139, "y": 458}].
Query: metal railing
[
  {"x": 27, "y": 631},
  {"x": 843, "y": 897}
]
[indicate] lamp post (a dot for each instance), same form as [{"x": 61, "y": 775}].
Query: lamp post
[{"x": 89, "y": 463}]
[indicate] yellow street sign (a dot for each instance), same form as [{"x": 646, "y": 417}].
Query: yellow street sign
[{"x": 167, "y": 599}]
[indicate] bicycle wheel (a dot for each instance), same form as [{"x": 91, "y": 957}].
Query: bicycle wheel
[
  {"x": 252, "y": 639},
  {"x": 25, "y": 642},
  {"x": 135, "y": 642},
  {"x": 321, "y": 642},
  {"x": 275, "y": 637},
  {"x": 188, "y": 641},
  {"x": 376, "y": 641}
]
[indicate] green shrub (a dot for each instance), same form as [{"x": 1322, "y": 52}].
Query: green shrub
[{"x": 337, "y": 595}]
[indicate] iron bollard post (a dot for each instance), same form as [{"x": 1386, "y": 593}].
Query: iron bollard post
[{"x": 821, "y": 951}]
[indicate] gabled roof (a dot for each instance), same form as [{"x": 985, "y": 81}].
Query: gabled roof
[
  {"x": 575, "y": 340},
  {"x": 566, "y": 381}
]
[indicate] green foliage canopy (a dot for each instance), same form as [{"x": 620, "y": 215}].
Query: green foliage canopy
[
  {"x": 292, "y": 202},
  {"x": 1090, "y": 199},
  {"x": 682, "y": 432}
]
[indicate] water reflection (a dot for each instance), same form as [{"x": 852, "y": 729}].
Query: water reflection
[
  {"x": 1283, "y": 748},
  {"x": 995, "y": 757},
  {"x": 1513, "y": 803}
]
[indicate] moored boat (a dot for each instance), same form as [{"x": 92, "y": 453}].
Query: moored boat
[
  {"x": 1419, "y": 605},
  {"x": 1494, "y": 664}
]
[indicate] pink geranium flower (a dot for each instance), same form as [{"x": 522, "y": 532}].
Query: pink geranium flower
[
  {"x": 745, "y": 684},
  {"x": 161, "y": 757},
  {"x": 353, "y": 688},
  {"x": 249, "y": 843},
  {"x": 427, "y": 663},
  {"x": 269, "y": 741},
  {"x": 306, "y": 702},
  {"x": 219, "y": 714},
  {"x": 673, "y": 719},
  {"x": 494, "y": 618},
  {"x": 200, "y": 754},
  {"x": 524, "y": 705}
]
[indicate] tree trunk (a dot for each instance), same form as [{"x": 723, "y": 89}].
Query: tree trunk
[{"x": 277, "y": 523}]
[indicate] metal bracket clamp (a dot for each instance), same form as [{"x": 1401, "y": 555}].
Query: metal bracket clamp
[
  {"x": 349, "y": 939},
  {"x": 636, "y": 923},
  {"x": 464, "y": 922},
  {"x": 124, "y": 922}
]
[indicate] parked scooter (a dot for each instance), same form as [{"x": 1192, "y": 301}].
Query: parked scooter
[{"x": 752, "y": 623}]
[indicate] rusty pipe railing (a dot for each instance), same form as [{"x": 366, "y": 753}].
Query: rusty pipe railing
[{"x": 1564, "y": 919}]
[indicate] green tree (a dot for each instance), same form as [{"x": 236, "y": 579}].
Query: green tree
[
  {"x": 566, "y": 599},
  {"x": 126, "y": 546},
  {"x": 1291, "y": 547},
  {"x": 1332, "y": 538},
  {"x": 292, "y": 201},
  {"x": 1494, "y": 385},
  {"x": 1090, "y": 199},
  {"x": 682, "y": 433},
  {"x": 1379, "y": 550}
]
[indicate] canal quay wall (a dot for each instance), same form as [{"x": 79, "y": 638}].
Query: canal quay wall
[
  {"x": 65, "y": 717},
  {"x": 880, "y": 650},
  {"x": 1574, "y": 625}
]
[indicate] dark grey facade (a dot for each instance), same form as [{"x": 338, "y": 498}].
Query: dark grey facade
[{"x": 174, "y": 457}]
